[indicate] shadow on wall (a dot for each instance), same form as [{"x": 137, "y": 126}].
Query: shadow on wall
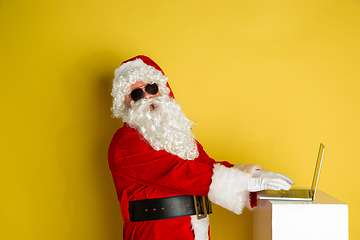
[{"x": 90, "y": 200}]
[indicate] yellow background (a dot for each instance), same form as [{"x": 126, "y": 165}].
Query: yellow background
[{"x": 265, "y": 81}]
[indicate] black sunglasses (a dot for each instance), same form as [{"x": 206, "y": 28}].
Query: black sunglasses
[{"x": 137, "y": 94}]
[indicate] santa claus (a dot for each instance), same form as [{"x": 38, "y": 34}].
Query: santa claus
[{"x": 163, "y": 177}]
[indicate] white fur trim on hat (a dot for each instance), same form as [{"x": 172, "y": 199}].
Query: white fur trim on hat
[
  {"x": 229, "y": 188},
  {"x": 129, "y": 73}
]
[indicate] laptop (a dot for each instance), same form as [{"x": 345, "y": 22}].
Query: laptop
[{"x": 297, "y": 194}]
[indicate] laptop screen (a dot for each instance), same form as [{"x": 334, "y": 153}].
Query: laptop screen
[{"x": 317, "y": 169}]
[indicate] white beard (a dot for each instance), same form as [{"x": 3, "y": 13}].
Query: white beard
[{"x": 165, "y": 128}]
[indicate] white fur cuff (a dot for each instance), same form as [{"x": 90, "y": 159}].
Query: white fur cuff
[{"x": 229, "y": 188}]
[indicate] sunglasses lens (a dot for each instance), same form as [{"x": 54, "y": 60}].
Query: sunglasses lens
[
  {"x": 152, "y": 88},
  {"x": 137, "y": 94}
]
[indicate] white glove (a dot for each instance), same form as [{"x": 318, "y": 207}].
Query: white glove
[{"x": 262, "y": 180}]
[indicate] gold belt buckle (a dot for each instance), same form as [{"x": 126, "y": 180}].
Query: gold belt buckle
[{"x": 198, "y": 215}]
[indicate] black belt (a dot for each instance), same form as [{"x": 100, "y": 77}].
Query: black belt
[{"x": 169, "y": 207}]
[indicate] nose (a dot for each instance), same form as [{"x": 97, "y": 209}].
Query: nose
[{"x": 147, "y": 95}]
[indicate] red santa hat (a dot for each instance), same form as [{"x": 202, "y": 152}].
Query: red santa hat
[{"x": 139, "y": 68}]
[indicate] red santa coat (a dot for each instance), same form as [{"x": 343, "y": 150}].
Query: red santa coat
[{"x": 140, "y": 172}]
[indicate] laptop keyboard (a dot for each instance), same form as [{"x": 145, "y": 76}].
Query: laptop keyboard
[{"x": 296, "y": 193}]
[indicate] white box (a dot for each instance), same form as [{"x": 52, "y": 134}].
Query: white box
[{"x": 324, "y": 218}]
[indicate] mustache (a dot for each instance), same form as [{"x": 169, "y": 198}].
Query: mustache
[
  {"x": 150, "y": 104},
  {"x": 147, "y": 109}
]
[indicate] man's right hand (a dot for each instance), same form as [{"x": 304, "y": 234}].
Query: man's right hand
[{"x": 263, "y": 180}]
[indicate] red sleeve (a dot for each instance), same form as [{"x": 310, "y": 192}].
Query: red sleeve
[{"x": 136, "y": 161}]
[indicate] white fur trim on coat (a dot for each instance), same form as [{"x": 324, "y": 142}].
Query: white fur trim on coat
[
  {"x": 229, "y": 188},
  {"x": 200, "y": 227},
  {"x": 249, "y": 168}
]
